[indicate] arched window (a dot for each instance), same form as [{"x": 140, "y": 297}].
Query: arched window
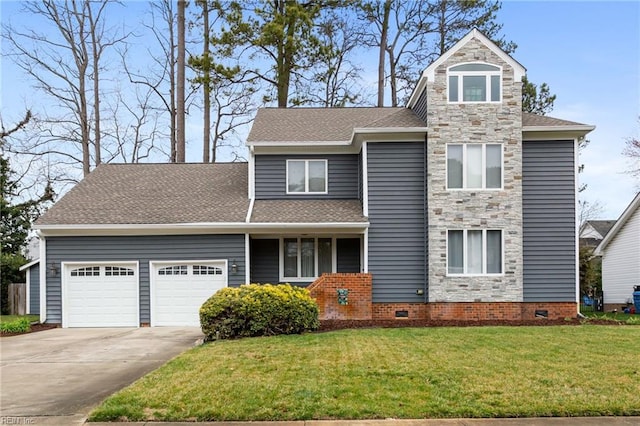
[{"x": 474, "y": 82}]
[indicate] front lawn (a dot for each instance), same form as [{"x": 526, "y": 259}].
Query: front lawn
[{"x": 401, "y": 373}]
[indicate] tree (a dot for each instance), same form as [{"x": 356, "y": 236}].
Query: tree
[
  {"x": 180, "y": 83},
  {"x": 279, "y": 32},
  {"x": 632, "y": 151},
  {"x": 536, "y": 101},
  {"x": 413, "y": 33},
  {"x": 16, "y": 217},
  {"x": 65, "y": 65}
]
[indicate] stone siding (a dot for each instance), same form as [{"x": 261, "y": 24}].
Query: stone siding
[{"x": 475, "y": 209}]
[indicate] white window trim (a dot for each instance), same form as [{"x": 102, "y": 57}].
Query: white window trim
[
  {"x": 306, "y": 177},
  {"x": 334, "y": 257},
  {"x": 487, "y": 74},
  {"x": 484, "y": 253},
  {"x": 464, "y": 169}
]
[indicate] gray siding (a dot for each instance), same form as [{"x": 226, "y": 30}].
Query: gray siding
[
  {"x": 348, "y": 255},
  {"x": 396, "y": 182},
  {"x": 271, "y": 176},
  {"x": 549, "y": 239},
  {"x": 142, "y": 249},
  {"x": 34, "y": 289},
  {"x": 420, "y": 108},
  {"x": 264, "y": 261}
]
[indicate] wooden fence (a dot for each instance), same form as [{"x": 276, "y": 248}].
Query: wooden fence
[{"x": 18, "y": 299}]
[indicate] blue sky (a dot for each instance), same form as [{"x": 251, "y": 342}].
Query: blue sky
[{"x": 588, "y": 53}]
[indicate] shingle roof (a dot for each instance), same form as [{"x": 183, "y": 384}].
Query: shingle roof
[
  {"x": 155, "y": 194},
  {"x": 325, "y": 124},
  {"x": 535, "y": 120},
  {"x": 602, "y": 226},
  {"x": 307, "y": 211}
]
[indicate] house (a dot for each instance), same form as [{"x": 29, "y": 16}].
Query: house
[
  {"x": 593, "y": 231},
  {"x": 620, "y": 251},
  {"x": 458, "y": 206}
]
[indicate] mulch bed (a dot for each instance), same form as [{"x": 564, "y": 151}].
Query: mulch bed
[
  {"x": 34, "y": 328},
  {"x": 330, "y": 325}
]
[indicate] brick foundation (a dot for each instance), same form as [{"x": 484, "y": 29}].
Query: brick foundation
[
  {"x": 387, "y": 311},
  {"x": 358, "y": 307}
]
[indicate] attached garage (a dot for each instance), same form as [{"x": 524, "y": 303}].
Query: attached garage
[
  {"x": 100, "y": 294},
  {"x": 178, "y": 289}
]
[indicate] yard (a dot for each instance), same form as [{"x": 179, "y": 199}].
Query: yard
[{"x": 584, "y": 370}]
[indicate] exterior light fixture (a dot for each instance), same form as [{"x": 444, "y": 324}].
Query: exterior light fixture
[{"x": 234, "y": 267}]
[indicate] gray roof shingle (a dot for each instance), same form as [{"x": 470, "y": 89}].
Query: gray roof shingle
[
  {"x": 602, "y": 226},
  {"x": 307, "y": 211},
  {"x": 155, "y": 194},
  {"x": 535, "y": 120},
  {"x": 325, "y": 124}
]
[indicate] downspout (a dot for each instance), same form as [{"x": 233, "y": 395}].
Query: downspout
[
  {"x": 426, "y": 222},
  {"x": 43, "y": 277}
]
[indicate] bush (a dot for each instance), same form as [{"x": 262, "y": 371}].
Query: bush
[
  {"x": 258, "y": 310},
  {"x": 20, "y": 325}
]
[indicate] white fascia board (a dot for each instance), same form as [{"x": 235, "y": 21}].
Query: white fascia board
[
  {"x": 258, "y": 144},
  {"x": 250, "y": 210},
  {"x": 190, "y": 228},
  {"x": 252, "y": 173},
  {"x": 549, "y": 133},
  {"x": 29, "y": 265},
  {"x": 624, "y": 217},
  {"x": 387, "y": 130},
  {"x": 43, "y": 278}
]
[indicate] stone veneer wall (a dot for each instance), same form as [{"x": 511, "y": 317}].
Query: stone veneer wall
[{"x": 475, "y": 209}]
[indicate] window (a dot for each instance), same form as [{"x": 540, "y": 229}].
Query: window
[
  {"x": 306, "y": 258},
  {"x": 306, "y": 176},
  {"x": 474, "y": 83},
  {"x": 206, "y": 270},
  {"x": 474, "y": 166},
  {"x": 173, "y": 270},
  {"x": 116, "y": 271},
  {"x": 474, "y": 252},
  {"x": 89, "y": 271}
]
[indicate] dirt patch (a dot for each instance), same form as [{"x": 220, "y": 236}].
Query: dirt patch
[
  {"x": 34, "y": 329},
  {"x": 330, "y": 325}
]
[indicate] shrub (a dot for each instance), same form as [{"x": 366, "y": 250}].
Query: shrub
[
  {"x": 20, "y": 325},
  {"x": 258, "y": 310}
]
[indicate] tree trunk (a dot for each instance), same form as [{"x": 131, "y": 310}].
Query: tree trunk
[
  {"x": 393, "y": 81},
  {"x": 383, "y": 51},
  {"x": 96, "y": 85},
  {"x": 206, "y": 87},
  {"x": 180, "y": 84}
]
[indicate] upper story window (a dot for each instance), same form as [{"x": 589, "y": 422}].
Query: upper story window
[
  {"x": 306, "y": 176},
  {"x": 475, "y": 83},
  {"x": 474, "y": 166}
]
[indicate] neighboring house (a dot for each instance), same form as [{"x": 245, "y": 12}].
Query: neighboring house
[
  {"x": 620, "y": 251},
  {"x": 459, "y": 206},
  {"x": 593, "y": 231}
]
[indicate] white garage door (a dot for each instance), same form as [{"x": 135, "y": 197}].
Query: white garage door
[
  {"x": 179, "y": 289},
  {"x": 101, "y": 295}
]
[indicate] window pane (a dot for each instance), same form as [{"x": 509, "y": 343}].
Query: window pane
[
  {"x": 307, "y": 257},
  {"x": 474, "y": 166},
  {"x": 324, "y": 255},
  {"x": 317, "y": 178},
  {"x": 290, "y": 257},
  {"x": 494, "y": 252},
  {"x": 474, "y": 252},
  {"x": 495, "y": 88},
  {"x": 455, "y": 252},
  {"x": 474, "y": 88},
  {"x": 453, "y": 88},
  {"x": 295, "y": 170},
  {"x": 475, "y": 67},
  {"x": 454, "y": 166},
  {"x": 494, "y": 166}
]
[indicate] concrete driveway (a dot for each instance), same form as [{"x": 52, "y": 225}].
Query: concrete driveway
[{"x": 67, "y": 372}]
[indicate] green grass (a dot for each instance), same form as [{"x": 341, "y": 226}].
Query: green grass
[
  {"x": 613, "y": 316},
  {"x": 401, "y": 373}
]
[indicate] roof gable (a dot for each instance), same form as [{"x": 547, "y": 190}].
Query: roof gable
[{"x": 628, "y": 213}]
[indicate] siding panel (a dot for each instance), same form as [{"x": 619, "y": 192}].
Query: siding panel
[
  {"x": 420, "y": 108},
  {"x": 621, "y": 263},
  {"x": 549, "y": 240},
  {"x": 397, "y": 217},
  {"x": 34, "y": 289},
  {"x": 142, "y": 249},
  {"x": 271, "y": 175}
]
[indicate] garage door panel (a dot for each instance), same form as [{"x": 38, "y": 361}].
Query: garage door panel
[
  {"x": 101, "y": 295},
  {"x": 179, "y": 290}
]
